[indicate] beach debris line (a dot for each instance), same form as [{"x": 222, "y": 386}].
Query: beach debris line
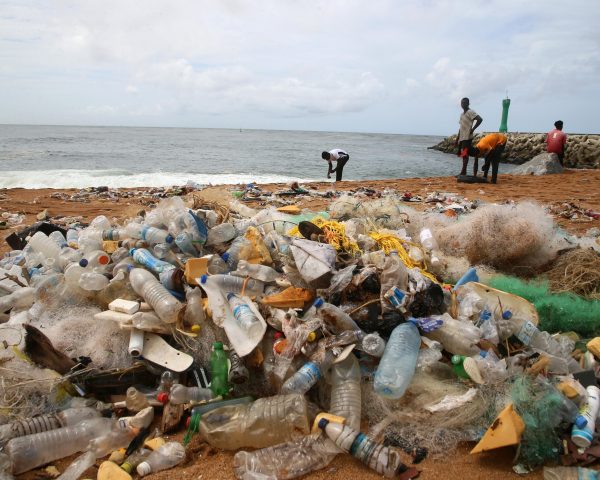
[{"x": 370, "y": 328}]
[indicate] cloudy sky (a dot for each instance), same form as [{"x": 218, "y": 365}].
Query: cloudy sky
[{"x": 395, "y": 66}]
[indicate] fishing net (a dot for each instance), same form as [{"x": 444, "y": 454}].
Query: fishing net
[
  {"x": 335, "y": 235},
  {"x": 406, "y": 423},
  {"x": 546, "y": 413},
  {"x": 561, "y": 312},
  {"x": 577, "y": 271},
  {"x": 510, "y": 238},
  {"x": 387, "y": 211}
]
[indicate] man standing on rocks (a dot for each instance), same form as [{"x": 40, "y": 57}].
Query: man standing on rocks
[
  {"x": 464, "y": 140},
  {"x": 556, "y": 141}
]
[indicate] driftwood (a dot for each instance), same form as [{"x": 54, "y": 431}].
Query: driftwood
[{"x": 41, "y": 351}]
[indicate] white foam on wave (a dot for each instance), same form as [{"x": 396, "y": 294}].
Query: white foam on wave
[{"x": 125, "y": 179}]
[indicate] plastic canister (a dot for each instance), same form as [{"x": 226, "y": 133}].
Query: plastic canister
[{"x": 585, "y": 423}]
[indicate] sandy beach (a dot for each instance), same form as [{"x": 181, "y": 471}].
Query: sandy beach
[{"x": 578, "y": 187}]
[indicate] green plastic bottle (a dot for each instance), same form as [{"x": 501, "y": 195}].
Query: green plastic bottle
[{"x": 219, "y": 370}]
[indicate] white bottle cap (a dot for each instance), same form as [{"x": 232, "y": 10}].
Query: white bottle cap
[{"x": 144, "y": 469}]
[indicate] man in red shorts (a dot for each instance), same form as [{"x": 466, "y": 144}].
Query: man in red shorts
[{"x": 556, "y": 141}]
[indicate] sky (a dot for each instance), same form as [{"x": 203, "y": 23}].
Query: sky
[{"x": 389, "y": 66}]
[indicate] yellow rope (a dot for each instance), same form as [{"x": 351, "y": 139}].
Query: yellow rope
[
  {"x": 335, "y": 233},
  {"x": 388, "y": 242}
]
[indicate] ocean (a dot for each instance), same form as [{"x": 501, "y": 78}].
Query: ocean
[{"x": 78, "y": 157}]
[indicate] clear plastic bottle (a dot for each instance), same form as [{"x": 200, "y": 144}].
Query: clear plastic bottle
[
  {"x": 32, "y": 451},
  {"x": 185, "y": 243},
  {"x": 232, "y": 255},
  {"x": 394, "y": 274},
  {"x": 219, "y": 370},
  {"x": 216, "y": 265},
  {"x": 308, "y": 375},
  {"x": 397, "y": 366},
  {"x": 133, "y": 460},
  {"x": 95, "y": 259},
  {"x": 570, "y": 473},
  {"x": 458, "y": 338},
  {"x": 229, "y": 283},
  {"x": 44, "y": 423},
  {"x": 21, "y": 298},
  {"x": 167, "y": 380},
  {"x": 44, "y": 245},
  {"x": 153, "y": 235},
  {"x": 181, "y": 394},
  {"x": 220, "y": 234},
  {"x": 335, "y": 319},
  {"x": 166, "y": 306},
  {"x": 136, "y": 401},
  {"x": 345, "y": 391},
  {"x": 427, "y": 240},
  {"x": 124, "y": 265},
  {"x": 73, "y": 238},
  {"x": 372, "y": 344},
  {"x": 145, "y": 258},
  {"x": 256, "y": 271},
  {"x": 267, "y": 421},
  {"x": 238, "y": 373},
  {"x": 92, "y": 281},
  {"x": 244, "y": 316},
  {"x": 386, "y": 461},
  {"x": 59, "y": 239},
  {"x": 166, "y": 456},
  {"x": 194, "y": 309}
]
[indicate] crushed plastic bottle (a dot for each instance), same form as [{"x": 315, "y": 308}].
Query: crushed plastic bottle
[
  {"x": 165, "y": 457},
  {"x": 394, "y": 274},
  {"x": 181, "y": 394},
  {"x": 166, "y": 306}
]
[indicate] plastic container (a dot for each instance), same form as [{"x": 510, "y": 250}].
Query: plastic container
[
  {"x": 166, "y": 306},
  {"x": 345, "y": 391},
  {"x": 232, "y": 284},
  {"x": 336, "y": 319},
  {"x": 145, "y": 258},
  {"x": 308, "y": 375},
  {"x": 92, "y": 281},
  {"x": 384, "y": 460},
  {"x": 194, "y": 310},
  {"x": 397, "y": 366},
  {"x": 219, "y": 370},
  {"x": 73, "y": 238},
  {"x": 372, "y": 344},
  {"x": 153, "y": 235},
  {"x": 166, "y": 456},
  {"x": 427, "y": 240},
  {"x": 220, "y": 234},
  {"x": 133, "y": 460},
  {"x": 32, "y": 451},
  {"x": 232, "y": 255},
  {"x": 181, "y": 394},
  {"x": 95, "y": 259},
  {"x": 185, "y": 243},
  {"x": 245, "y": 317},
  {"x": 136, "y": 400},
  {"x": 458, "y": 338},
  {"x": 256, "y": 271},
  {"x": 570, "y": 473},
  {"x": 124, "y": 265},
  {"x": 267, "y": 421},
  {"x": 583, "y": 430},
  {"x": 238, "y": 373},
  {"x": 44, "y": 423},
  {"x": 59, "y": 239},
  {"x": 394, "y": 274},
  {"x": 21, "y": 298},
  {"x": 44, "y": 245}
]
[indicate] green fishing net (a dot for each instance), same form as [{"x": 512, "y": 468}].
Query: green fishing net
[
  {"x": 546, "y": 413},
  {"x": 560, "y": 312}
]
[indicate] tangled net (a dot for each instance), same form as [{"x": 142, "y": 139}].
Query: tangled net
[
  {"x": 577, "y": 271},
  {"x": 335, "y": 233}
]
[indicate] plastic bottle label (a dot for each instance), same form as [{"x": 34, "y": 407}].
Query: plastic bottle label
[
  {"x": 396, "y": 297},
  {"x": 526, "y": 332},
  {"x": 311, "y": 371}
]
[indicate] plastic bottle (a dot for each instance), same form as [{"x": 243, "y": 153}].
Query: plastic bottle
[
  {"x": 194, "y": 310},
  {"x": 570, "y": 473},
  {"x": 232, "y": 255},
  {"x": 335, "y": 318},
  {"x": 59, "y": 239},
  {"x": 153, "y": 235},
  {"x": 427, "y": 240},
  {"x": 384, "y": 460},
  {"x": 256, "y": 271},
  {"x": 124, "y": 265},
  {"x": 21, "y": 298},
  {"x": 44, "y": 423},
  {"x": 44, "y": 245},
  {"x": 95, "y": 259},
  {"x": 372, "y": 344},
  {"x": 135, "y": 459},
  {"x": 308, "y": 375},
  {"x": 219, "y": 370},
  {"x": 220, "y": 234},
  {"x": 394, "y": 274},
  {"x": 238, "y": 373},
  {"x": 92, "y": 281},
  {"x": 32, "y": 451},
  {"x": 265, "y": 422},
  {"x": 73, "y": 238},
  {"x": 216, "y": 265},
  {"x": 232, "y": 284},
  {"x": 181, "y": 394},
  {"x": 458, "y": 338},
  {"x": 167, "y": 380},
  {"x": 166, "y": 456},
  {"x": 397, "y": 366},
  {"x": 244, "y": 316},
  {"x": 135, "y": 400},
  {"x": 145, "y": 258},
  {"x": 345, "y": 391},
  {"x": 185, "y": 243},
  {"x": 582, "y": 433},
  {"x": 166, "y": 306}
]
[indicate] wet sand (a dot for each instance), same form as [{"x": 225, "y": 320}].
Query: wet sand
[{"x": 581, "y": 187}]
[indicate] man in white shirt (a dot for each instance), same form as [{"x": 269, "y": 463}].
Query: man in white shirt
[
  {"x": 464, "y": 140},
  {"x": 339, "y": 156}
]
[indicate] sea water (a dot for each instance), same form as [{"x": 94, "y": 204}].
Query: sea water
[{"x": 77, "y": 157}]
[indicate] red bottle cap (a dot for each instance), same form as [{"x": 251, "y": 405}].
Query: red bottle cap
[{"x": 163, "y": 397}]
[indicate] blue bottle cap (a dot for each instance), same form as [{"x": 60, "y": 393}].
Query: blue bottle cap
[
  {"x": 580, "y": 421},
  {"x": 169, "y": 238},
  {"x": 413, "y": 320},
  {"x": 483, "y": 353},
  {"x": 323, "y": 423},
  {"x": 132, "y": 251},
  {"x": 203, "y": 278},
  {"x": 507, "y": 315},
  {"x": 83, "y": 263},
  {"x": 225, "y": 257},
  {"x": 318, "y": 302},
  {"x": 230, "y": 295}
]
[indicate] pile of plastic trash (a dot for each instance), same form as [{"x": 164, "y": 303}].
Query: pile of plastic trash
[{"x": 293, "y": 336}]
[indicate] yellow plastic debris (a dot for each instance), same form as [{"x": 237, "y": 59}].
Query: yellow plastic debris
[
  {"x": 111, "y": 471},
  {"x": 291, "y": 297},
  {"x": 154, "y": 443},
  {"x": 567, "y": 390},
  {"x": 195, "y": 268},
  {"x": 291, "y": 209},
  {"x": 118, "y": 456},
  {"x": 329, "y": 416},
  {"x": 110, "y": 246},
  {"x": 506, "y": 430},
  {"x": 594, "y": 346}
]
